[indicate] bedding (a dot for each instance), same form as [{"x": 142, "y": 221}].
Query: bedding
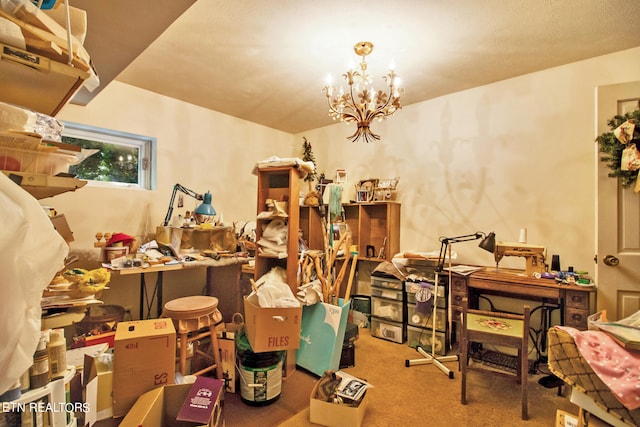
[{"x": 567, "y": 363}]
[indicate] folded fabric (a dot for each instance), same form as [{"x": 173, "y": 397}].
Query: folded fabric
[{"x": 303, "y": 168}]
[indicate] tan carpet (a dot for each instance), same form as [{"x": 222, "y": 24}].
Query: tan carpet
[{"x": 410, "y": 396}]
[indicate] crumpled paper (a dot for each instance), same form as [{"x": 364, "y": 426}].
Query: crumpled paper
[{"x": 310, "y": 293}]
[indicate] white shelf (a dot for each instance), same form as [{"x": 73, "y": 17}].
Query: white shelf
[
  {"x": 55, "y": 391},
  {"x": 42, "y": 186}
]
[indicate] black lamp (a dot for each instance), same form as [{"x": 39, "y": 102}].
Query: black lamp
[
  {"x": 203, "y": 213},
  {"x": 488, "y": 243}
]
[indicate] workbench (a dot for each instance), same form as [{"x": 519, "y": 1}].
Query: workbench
[{"x": 147, "y": 300}]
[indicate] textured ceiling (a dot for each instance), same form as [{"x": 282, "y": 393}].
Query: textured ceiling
[{"x": 267, "y": 61}]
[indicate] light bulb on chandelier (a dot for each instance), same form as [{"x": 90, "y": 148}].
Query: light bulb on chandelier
[{"x": 362, "y": 103}]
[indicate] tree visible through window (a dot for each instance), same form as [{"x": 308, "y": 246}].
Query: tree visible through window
[{"x": 119, "y": 158}]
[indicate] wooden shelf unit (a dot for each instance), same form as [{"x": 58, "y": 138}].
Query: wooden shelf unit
[
  {"x": 374, "y": 224},
  {"x": 312, "y": 226},
  {"x": 280, "y": 184}
]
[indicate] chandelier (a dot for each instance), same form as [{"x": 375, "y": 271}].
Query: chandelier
[{"x": 362, "y": 103}]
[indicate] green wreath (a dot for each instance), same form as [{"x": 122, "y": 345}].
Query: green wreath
[{"x": 611, "y": 149}]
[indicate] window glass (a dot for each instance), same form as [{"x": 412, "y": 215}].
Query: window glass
[{"x": 117, "y": 158}]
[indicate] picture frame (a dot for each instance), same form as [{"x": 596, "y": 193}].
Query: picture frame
[{"x": 365, "y": 190}]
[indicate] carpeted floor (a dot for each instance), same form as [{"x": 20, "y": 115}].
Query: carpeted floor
[{"x": 410, "y": 396}]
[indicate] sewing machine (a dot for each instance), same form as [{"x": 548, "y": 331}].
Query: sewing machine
[{"x": 535, "y": 255}]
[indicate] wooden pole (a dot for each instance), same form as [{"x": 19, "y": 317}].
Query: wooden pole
[
  {"x": 336, "y": 293},
  {"x": 354, "y": 263}
]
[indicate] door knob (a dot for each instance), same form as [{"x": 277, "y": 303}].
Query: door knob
[{"x": 611, "y": 260}]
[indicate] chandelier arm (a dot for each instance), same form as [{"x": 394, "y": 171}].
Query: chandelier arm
[
  {"x": 390, "y": 96},
  {"x": 348, "y": 116},
  {"x": 343, "y": 116},
  {"x": 354, "y": 104},
  {"x": 375, "y": 104}
]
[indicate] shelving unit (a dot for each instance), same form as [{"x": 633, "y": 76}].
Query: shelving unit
[
  {"x": 54, "y": 394},
  {"x": 37, "y": 82},
  {"x": 375, "y": 225},
  {"x": 312, "y": 227},
  {"x": 280, "y": 184},
  {"x": 42, "y": 186}
]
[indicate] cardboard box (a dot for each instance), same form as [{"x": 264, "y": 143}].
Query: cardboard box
[
  {"x": 97, "y": 380},
  {"x": 167, "y": 406},
  {"x": 289, "y": 364},
  {"x": 272, "y": 329},
  {"x": 565, "y": 419},
  {"x": 333, "y": 414},
  {"x": 107, "y": 338},
  {"x": 228, "y": 362},
  {"x": 62, "y": 227},
  {"x": 144, "y": 359}
]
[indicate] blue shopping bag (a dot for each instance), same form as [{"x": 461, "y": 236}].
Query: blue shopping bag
[{"x": 321, "y": 336}]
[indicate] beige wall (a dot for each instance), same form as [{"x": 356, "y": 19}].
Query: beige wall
[
  {"x": 510, "y": 155},
  {"x": 514, "y": 154},
  {"x": 198, "y": 148}
]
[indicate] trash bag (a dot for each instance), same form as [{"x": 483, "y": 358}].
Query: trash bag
[{"x": 31, "y": 253}]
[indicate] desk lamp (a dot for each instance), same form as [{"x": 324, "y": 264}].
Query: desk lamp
[
  {"x": 488, "y": 243},
  {"x": 203, "y": 213}
]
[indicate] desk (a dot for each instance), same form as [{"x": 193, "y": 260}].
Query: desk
[
  {"x": 146, "y": 301},
  {"x": 573, "y": 300}
]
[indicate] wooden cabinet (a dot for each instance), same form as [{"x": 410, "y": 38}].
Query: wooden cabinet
[
  {"x": 458, "y": 293},
  {"x": 375, "y": 228},
  {"x": 577, "y": 308},
  {"x": 280, "y": 184}
]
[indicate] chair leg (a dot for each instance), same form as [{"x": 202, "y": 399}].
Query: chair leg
[
  {"x": 184, "y": 349},
  {"x": 524, "y": 367},
  {"x": 215, "y": 348},
  {"x": 463, "y": 371}
]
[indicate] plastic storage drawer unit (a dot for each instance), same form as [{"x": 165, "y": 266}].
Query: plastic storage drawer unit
[
  {"x": 387, "y": 293},
  {"x": 388, "y": 330},
  {"x": 387, "y": 309},
  {"x": 424, "y": 320},
  {"x": 423, "y": 337},
  {"x": 413, "y": 287},
  {"x": 385, "y": 282}
]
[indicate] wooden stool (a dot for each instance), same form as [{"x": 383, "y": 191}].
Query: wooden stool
[{"x": 195, "y": 318}]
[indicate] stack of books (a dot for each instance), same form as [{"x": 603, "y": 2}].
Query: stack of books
[{"x": 625, "y": 332}]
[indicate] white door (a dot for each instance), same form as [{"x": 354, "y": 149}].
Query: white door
[{"x": 618, "y": 218}]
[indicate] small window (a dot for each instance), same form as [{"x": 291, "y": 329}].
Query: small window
[{"x": 120, "y": 159}]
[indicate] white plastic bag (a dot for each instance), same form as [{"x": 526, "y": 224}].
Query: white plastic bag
[
  {"x": 31, "y": 253},
  {"x": 272, "y": 291}
]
